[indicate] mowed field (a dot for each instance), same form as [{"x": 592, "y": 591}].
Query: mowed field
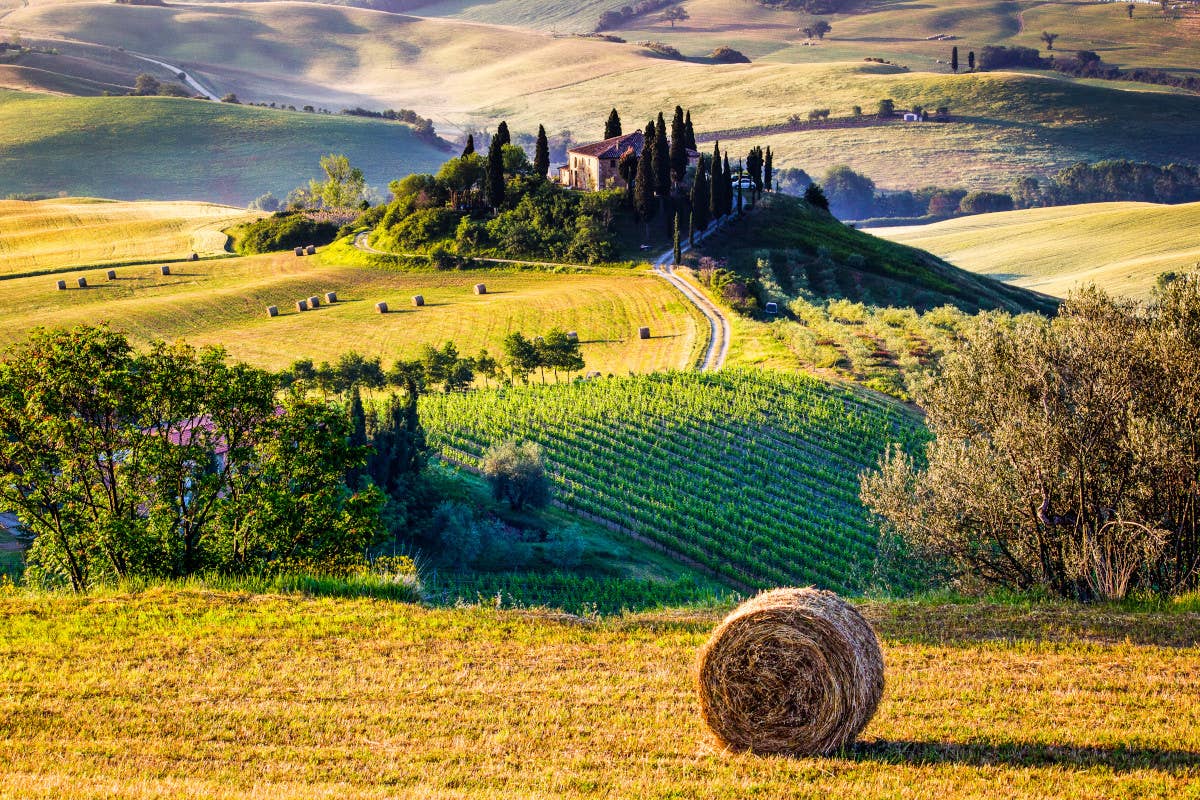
[
  {"x": 224, "y": 302},
  {"x": 47, "y": 235},
  {"x": 133, "y": 148},
  {"x": 197, "y": 694},
  {"x": 1121, "y": 247}
]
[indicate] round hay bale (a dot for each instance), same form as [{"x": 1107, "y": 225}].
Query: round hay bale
[
  {"x": 62, "y": 286},
  {"x": 164, "y": 269},
  {"x": 331, "y": 297},
  {"x": 311, "y": 250},
  {"x": 480, "y": 288},
  {"x": 299, "y": 251},
  {"x": 572, "y": 336},
  {"x": 643, "y": 333},
  {"x": 790, "y": 672},
  {"x": 381, "y": 308},
  {"x": 82, "y": 283},
  {"x": 314, "y": 302},
  {"x": 418, "y": 300},
  {"x": 272, "y": 311},
  {"x": 302, "y": 305},
  {"x": 112, "y": 274},
  {"x": 195, "y": 257}
]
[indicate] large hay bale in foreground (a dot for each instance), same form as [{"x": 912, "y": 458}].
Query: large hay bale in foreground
[{"x": 790, "y": 672}]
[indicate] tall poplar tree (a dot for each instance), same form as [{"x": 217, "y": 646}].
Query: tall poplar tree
[
  {"x": 700, "y": 213},
  {"x": 662, "y": 158},
  {"x": 613, "y": 126},
  {"x": 541, "y": 154},
  {"x": 688, "y": 132},
  {"x": 679, "y": 159},
  {"x": 495, "y": 173}
]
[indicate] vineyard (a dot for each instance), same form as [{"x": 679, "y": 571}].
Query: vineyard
[{"x": 751, "y": 475}]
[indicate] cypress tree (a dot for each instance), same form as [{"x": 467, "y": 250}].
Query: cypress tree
[
  {"x": 662, "y": 158},
  {"x": 643, "y": 189},
  {"x": 676, "y": 251},
  {"x": 541, "y": 156},
  {"x": 971, "y": 60},
  {"x": 613, "y": 126},
  {"x": 754, "y": 166},
  {"x": 470, "y": 148},
  {"x": 954, "y": 59},
  {"x": 495, "y": 173},
  {"x": 358, "y": 433},
  {"x": 739, "y": 192},
  {"x": 716, "y": 206},
  {"x": 727, "y": 187},
  {"x": 689, "y": 135},
  {"x": 692, "y": 228},
  {"x": 679, "y": 159},
  {"x": 768, "y": 170},
  {"x": 502, "y": 134},
  {"x": 700, "y": 217}
]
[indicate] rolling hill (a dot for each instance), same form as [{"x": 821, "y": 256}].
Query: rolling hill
[
  {"x": 133, "y": 148},
  {"x": 49, "y": 235},
  {"x": 1121, "y": 247}
]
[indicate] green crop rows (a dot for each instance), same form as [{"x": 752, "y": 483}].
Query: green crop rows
[{"x": 752, "y": 474}]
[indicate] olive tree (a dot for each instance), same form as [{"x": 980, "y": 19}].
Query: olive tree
[{"x": 517, "y": 475}]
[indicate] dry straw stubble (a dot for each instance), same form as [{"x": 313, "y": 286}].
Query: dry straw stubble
[{"x": 791, "y": 672}]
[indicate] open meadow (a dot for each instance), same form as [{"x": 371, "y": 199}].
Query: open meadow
[
  {"x": 1120, "y": 247},
  {"x": 202, "y": 694},
  {"x": 224, "y": 302}
]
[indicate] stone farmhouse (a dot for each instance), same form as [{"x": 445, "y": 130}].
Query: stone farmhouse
[{"x": 591, "y": 167}]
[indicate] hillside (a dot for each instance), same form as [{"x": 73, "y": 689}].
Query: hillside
[
  {"x": 1121, "y": 247},
  {"x": 224, "y": 302},
  {"x": 797, "y": 250},
  {"x": 752, "y": 474},
  {"x": 48, "y": 235},
  {"x": 118, "y": 695},
  {"x": 132, "y": 148}
]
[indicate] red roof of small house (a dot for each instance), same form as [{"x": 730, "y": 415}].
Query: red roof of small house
[{"x": 612, "y": 148}]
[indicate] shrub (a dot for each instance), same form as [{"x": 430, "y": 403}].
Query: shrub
[
  {"x": 727, "y": 55},
  {"x": 985, "y": 203},
  {"x": 283, "y": 230}
]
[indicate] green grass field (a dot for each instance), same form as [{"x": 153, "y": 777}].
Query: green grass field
[
  {"x": 202, "y": 694},
  {"x": 224, "y": 301},
  {"x": 1121, "y": 247},
  {"x": 49, "y": 235},
  {"x": 133, "y": 148}
]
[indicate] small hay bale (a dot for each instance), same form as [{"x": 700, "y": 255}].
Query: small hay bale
[
  {"x": 164, "y": 269},
  {"x": 418, "y": 300},
  {"x": 82, "y": 283},
  {"x": 791, "y": 672},
  {"x": 302, "y": 305},
  {"x": 480, "y": 289},
  {"x": 62, "y": 286},
  {"x": 272, "y": 311},
  {"x": 195, "y": 257},
  {"x": 381, "y": 308},
  {"x": 572, "y": 336},
  {"x": 111, "y": 274},
  {"x": 314, "y": 302},
  {"x": 643, "y": 333},
  {"x": 299, "y": 251},
  {"x": 331, "y": 297},
  {"x": 311, "y": 250}
]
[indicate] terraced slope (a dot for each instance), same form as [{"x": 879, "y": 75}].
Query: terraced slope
[{"x": 753, "y": 474}]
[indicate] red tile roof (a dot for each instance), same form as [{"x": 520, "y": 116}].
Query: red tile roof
[{"x": 611, "y": 148}]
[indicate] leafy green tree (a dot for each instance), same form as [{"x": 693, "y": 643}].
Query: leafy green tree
[
  {"x": 463, "y": 178},
  {"x": 520, "y": 357},
  {"x": 612, "y": 127},
  {"x": 1049, "y": 39},
  {"x": 557, "y": 351},
  {"x": 344, "y": 186},
  {"x": 541, "y": 157},
  {"x": 851, "y": 195},
  {"x": 146, "y": 84},
  {"x": 679, "y": 159},
  {"x": 887, "y": 108},
  {"x": 515, "y": 160},
  {"x": 675, "y": 14},
  {"x": 454, "y": 525},
  {"x": 564, "y": 546},
  {"x": 517, "y": 475},
  {"x": 814, "y": 195}
]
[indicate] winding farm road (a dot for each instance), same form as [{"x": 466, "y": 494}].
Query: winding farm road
[
  {"x": 718, "y": 323},
  {"x": 187, "y": 78}
]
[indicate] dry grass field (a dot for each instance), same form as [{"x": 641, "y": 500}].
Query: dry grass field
[
  {"x": 224, "y": 301},
  {"x": 1121, "y": 247},
  {"x": 54, "y": 234},
  {"x": 199, "y": 694}
]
